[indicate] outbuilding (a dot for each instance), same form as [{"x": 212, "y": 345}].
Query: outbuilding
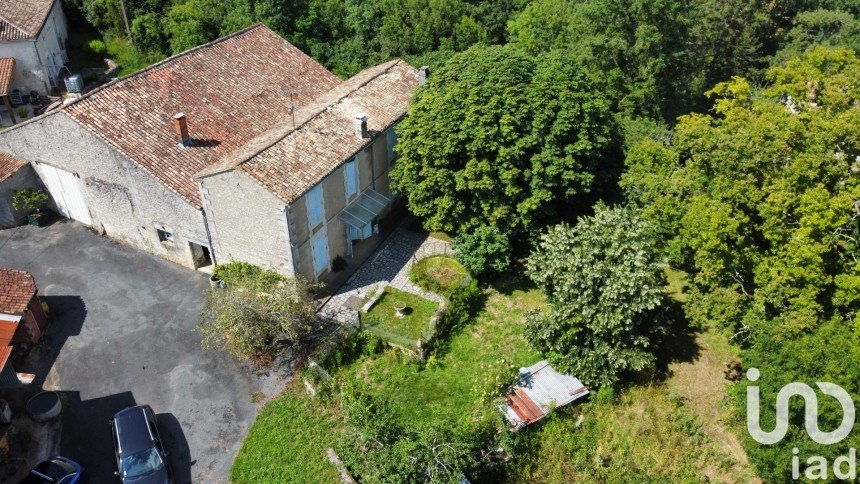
[
  {"x": 538, "y": 390},
  {"x": 22, "y": 319}
]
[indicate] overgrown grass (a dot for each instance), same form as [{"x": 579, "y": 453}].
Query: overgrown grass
[
  {"x": 437, "y": 274},
  {"x": 443, "y": 391},
  {"x": 645, "y": 435},
  {"x": 288, "y": 442},
  {"x": 677, "y": 283},
  {"x": 413, "y": 325}
]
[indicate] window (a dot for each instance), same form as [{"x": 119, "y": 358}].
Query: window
[
  {"x": 316, "y": 212},
  {"x": 350, "y": 175},
  {"x": 164, "y": 236},
  {"x": 392, "y": 140}
]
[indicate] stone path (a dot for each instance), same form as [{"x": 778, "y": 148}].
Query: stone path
[{"x": 388, "y": 265}]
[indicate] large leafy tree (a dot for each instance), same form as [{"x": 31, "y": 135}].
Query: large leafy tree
[
  {"x": 760, "y": 200},
  {"x": 502, "y": 138},
  {"x": 605, "y": 290},
  {"x": 643, "y": 47}
]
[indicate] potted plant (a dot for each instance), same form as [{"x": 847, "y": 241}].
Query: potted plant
[{"x": 33, "y": 201}]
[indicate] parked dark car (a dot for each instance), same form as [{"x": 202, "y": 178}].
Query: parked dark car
[
  {"x": 140, "y": 456},
  {"x": 58, "y": 470}
]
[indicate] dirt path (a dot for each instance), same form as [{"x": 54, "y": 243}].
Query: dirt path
[{"x": 702, "y": 383}]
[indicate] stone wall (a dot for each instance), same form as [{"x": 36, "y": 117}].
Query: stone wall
[
  {"x": 125, "y": 202},
  {"x": 247, "y": 222}
]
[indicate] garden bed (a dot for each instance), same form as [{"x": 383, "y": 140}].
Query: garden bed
[
  {"x": 415, "y": 324},
  {"x": 438, "y": 274}
]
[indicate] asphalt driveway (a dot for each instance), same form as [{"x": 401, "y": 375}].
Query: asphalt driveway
[{"x": 122, "y": 333}]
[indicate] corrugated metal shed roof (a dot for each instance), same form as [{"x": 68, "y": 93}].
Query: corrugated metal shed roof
[{"x": 539, "y": 389}]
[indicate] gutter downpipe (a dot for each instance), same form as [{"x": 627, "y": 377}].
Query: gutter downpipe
[{"x": 208, "y": 235}]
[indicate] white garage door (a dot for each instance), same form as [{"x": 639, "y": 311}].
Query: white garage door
[{"x": 63, "y": 186}]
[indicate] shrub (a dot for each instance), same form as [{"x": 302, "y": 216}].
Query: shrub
[
  {"x": 244, "y": 274},
  {"x": 254, "y": 321},
  {"x": 461, "y": 305},
  {"x": 98, "y": 46},
  {"x": 29, "y": 199},
  {"x": 437, "y": 274},
  {"x": 338, "y": 264},
  {"x": 484, "y": 252}
]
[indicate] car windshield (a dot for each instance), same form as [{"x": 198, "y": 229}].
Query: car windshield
[{"x": 143, "y": 462}]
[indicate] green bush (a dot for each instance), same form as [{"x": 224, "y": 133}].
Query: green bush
[
  {"x": 484, "y": 252},
  {"x": 244, "y": 274},
  {"x": 461, "y": 305},
  {"x": 437, "y": 274},
  {"x": 29, "y": 199},
  {"x": 98, "y": 46}
]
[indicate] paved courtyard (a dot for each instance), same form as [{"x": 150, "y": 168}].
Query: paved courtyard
[
  {"x": 123, "y": 333},
  {"x": 388, "y": 265}
]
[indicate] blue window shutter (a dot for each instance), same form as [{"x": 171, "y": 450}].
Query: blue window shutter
[
  {"x": 350, "y": 173},
  {"x": 320, "y": 253},
  {"x": 316, "y": 212}
]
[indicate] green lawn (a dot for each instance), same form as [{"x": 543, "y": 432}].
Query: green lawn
[
  {"x": 437, "y": 274},
  {"x": 413, "y": 325},
  {"x": 288, "y": 442}
]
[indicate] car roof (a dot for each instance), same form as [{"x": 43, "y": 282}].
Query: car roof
[{"x": 133, "y": 434}]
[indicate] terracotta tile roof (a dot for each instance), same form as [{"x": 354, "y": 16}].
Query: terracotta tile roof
[
  {"x": 7, "y": 64},
  {"x": 232, "y": 90},
  {"x": 9, "y": 165},
  {"x": 23, "y": 19},
  {"x": 324, "y": 137},
  {"x": 17, "y": 288}
]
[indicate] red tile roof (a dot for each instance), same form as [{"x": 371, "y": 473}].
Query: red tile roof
[
  {"x": 290, "y": 161},
  {"x": 232, "y": 90},
  {"x": 9, "y": 165},
  {"x": 17, "y": 288},
  {"x": 7, "y": 65},
  {"x": 23, "y": 19}
]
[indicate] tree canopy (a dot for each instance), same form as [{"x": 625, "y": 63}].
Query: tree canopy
[
  {"x": 605, "y": 287},
  {"x": 760, "y": 200},
  {"x": 502, "y": 138}
]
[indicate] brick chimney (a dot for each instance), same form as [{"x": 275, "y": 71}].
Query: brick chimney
[
  {"x": 423, "y": 74},
  {"x": 361, "y": 126},
  {"x": 181, "y": 127}
]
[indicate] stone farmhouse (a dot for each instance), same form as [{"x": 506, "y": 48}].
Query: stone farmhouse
[
  {"x": 33, "y": 36},
  {"x": 243, "y": 149}
]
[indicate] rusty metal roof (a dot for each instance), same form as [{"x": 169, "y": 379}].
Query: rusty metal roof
[{"x": 539, "y": 389}]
